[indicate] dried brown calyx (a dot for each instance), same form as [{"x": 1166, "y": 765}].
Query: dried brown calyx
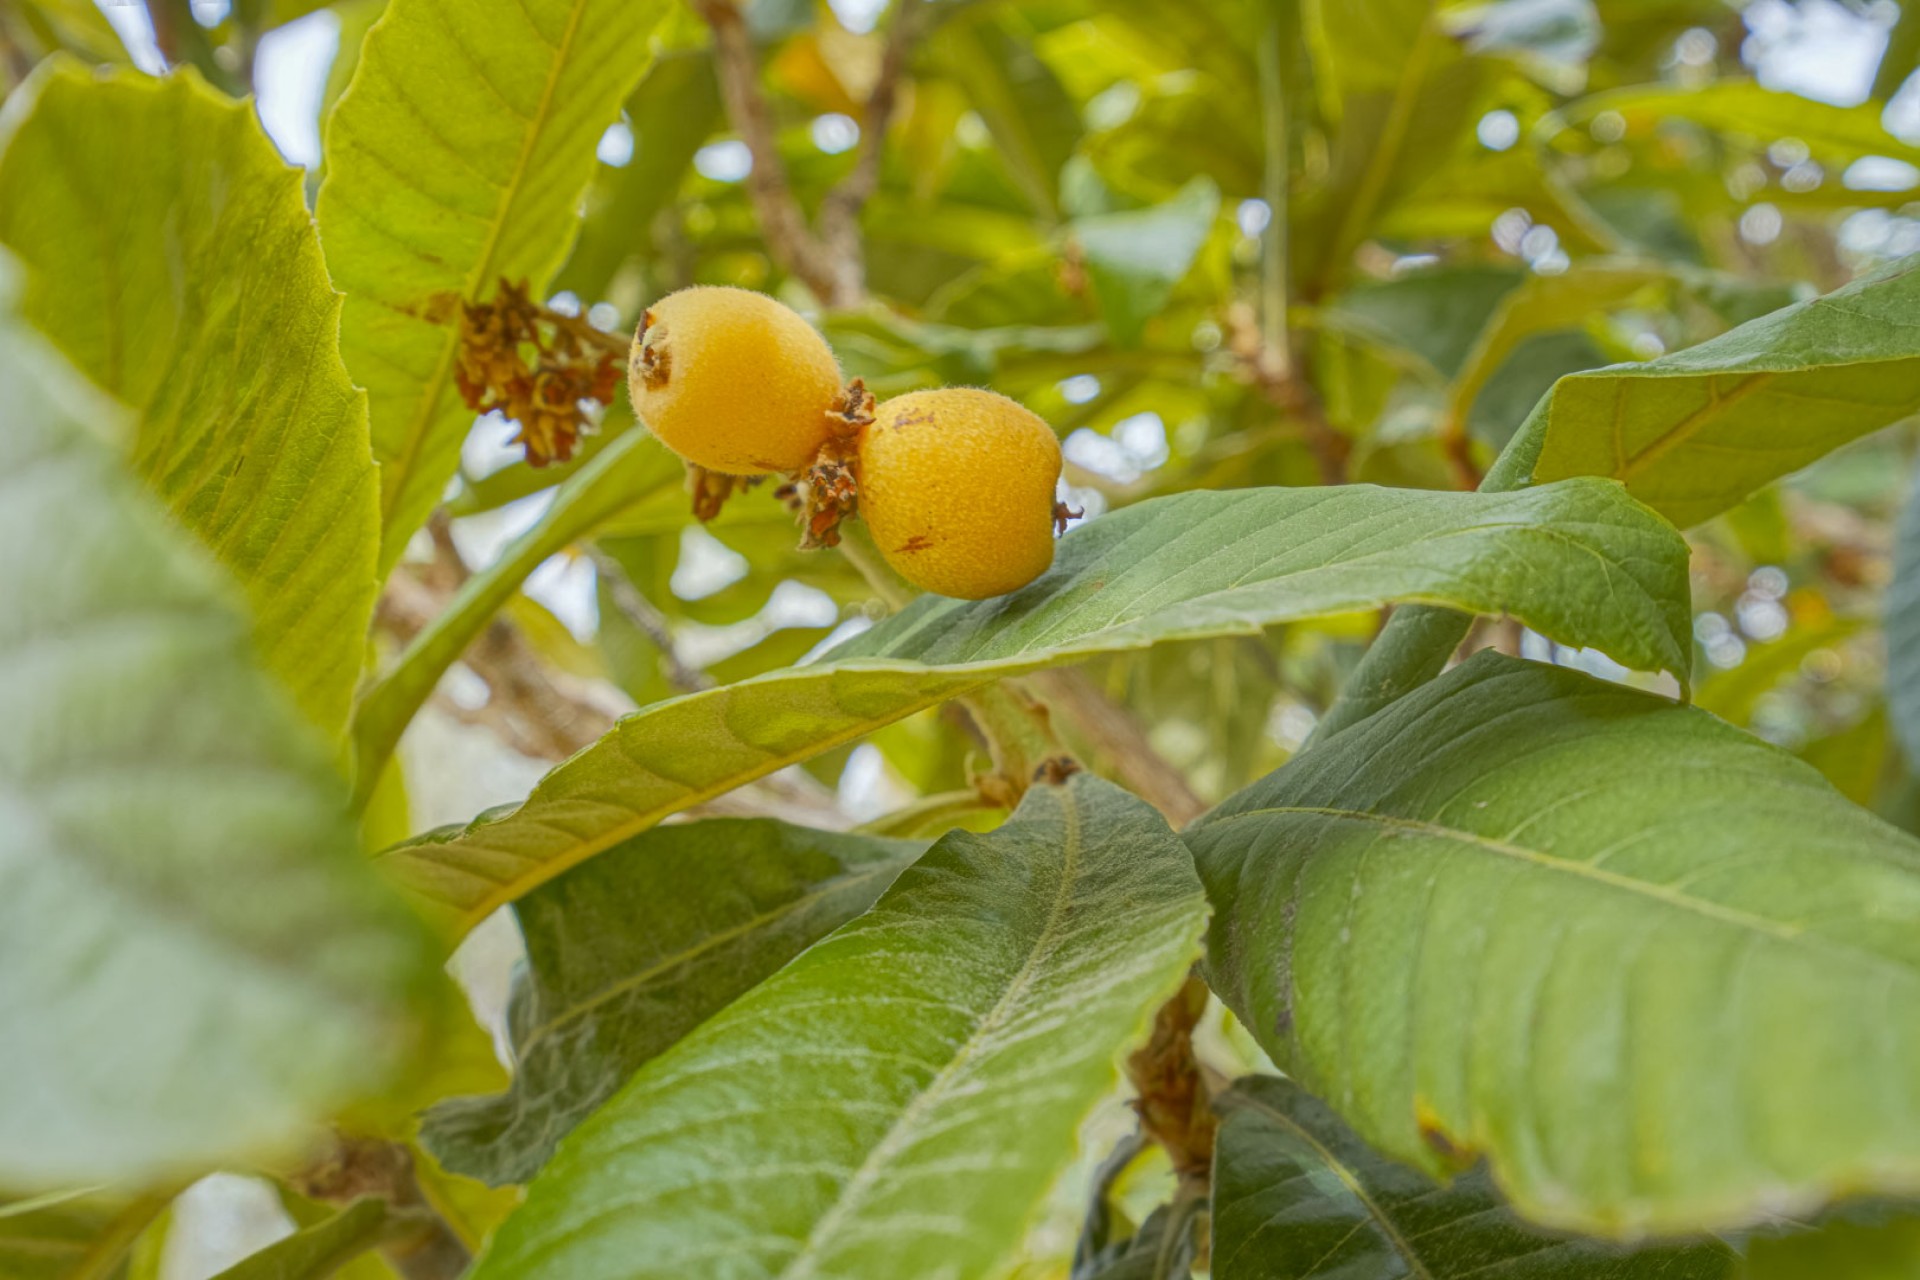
[
  {"x": 711, "y": 489},
  {"x": 537, "y": 366},
  {"x": 652, "y": 358},
  {"x": 828, "y": 492}
]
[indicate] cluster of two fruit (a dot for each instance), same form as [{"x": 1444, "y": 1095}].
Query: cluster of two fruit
[{"x": 957, "y": 484}]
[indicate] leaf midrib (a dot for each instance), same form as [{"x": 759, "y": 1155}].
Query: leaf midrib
[
  {"x": 418, "y": 429},
  {"x": 801, "y": 1267}
]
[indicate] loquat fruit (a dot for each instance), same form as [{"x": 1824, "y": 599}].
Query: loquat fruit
[
  {"x": 957, "y": 486},
  {"x": 732, "y": 380}
]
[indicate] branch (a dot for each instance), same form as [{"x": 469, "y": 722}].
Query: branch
[
  {"x": 1122, "y": 743},
  {"x": 782, "y": 222},
  {"x": 641, "y": 612},
  {"x": 358, "y": 1167},
  {"x": 831, "y": 262}
]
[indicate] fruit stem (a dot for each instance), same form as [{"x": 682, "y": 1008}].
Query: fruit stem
[{"x": 857, "y": 545}]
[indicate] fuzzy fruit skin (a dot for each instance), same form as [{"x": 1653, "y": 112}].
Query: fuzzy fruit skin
[
  {"x": 957, "y": 486},
  {"x": 739, "y": 383}
]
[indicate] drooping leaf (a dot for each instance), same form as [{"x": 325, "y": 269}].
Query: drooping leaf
[
  {"x": 318, "y": 1251},
  {"x": 1581, "y": 563},
  {"x": 632, "y": 468},
  {"x": 1693, "y": 433},
  {"x": 1658, "y": 973},
  {"x": 1135, "y": 258},
  {"x": 457, "y": 157},
  {"x": 897, "y": 1100},
  {"x": 172, "y": 259},
  {"x": 1296, "y": 1193},
  {"x": 630, "y": 952},
  {"x": 198, "y": 961}
]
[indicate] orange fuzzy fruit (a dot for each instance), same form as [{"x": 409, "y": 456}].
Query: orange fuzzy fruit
[
  {"x": 958, "y": 488},
  {"x": 732, "y": 380}
]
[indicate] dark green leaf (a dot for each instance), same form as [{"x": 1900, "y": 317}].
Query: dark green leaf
[
  {"x": 630, "y": 952},
  {"x": 1297, "y": 1194},
  {"x": 897, "y": 1100}
]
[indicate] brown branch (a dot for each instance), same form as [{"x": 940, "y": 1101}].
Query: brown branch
[
  {"x": 1284, "y": 385},
  {"x": 359, "y": 1167},
  {"x": 829, "y": 261},
  {"x": 640, "y": 611},
  {"x": 1121, "y": 741}
]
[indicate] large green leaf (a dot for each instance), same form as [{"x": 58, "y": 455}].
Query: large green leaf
[
  {"x": 458, "y": 156},
  {"x": 1658, "y": 973},
  {"x": 197, "y": 960},
  {"x": 172, "y": 259},
  {"x": 1693, "y": 433},
  {"x": 1297, "y": 1194},
  {"x": 1580, "y": 562},
  {"x": 630, "y": 952},
  {"x": 897, "y": 1100}
]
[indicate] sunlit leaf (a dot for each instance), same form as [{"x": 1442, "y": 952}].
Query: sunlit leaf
[
  {"x": 897, "y": 1100},
  {"x": 1578, "y": 562},
  {"x": 171, "y": 257},
  {"x": 457, "y": 157},
  {"x": 1659, "y": 974},
  {"x": 1693, "y": 433},
  {"x": 629, "y": 953}
]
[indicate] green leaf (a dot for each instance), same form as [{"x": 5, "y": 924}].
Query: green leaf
[
  {"x": 315, "y": 1252},
  {"x": 72, "y": 1236},
  {"x": 1693, "y": 433},
  {"x": 1035, "y": 125},
  {"x": 1135, "y": 258},
  {"x": 1297, "y": 1194},
  {"x": 629, "y": 953},
  {"x": 1872, "y": 1243},
  {"x": 946, "y": 1044},
  {"x": 172, "y": 260},
  {"x": 198, "y": 961},
  {"x": 458, "y": 156},
  {"x": 629, "y": 470},
  {"x": 1836, "y": 136},
  {"x": 1658, "y": 973},
  {"x": 1581, "y": 563}
]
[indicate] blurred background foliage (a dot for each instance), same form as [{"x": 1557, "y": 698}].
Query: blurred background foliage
[{"x": 1221, "y": 244}]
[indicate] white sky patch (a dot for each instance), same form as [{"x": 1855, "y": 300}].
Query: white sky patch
[
  {"x": 616, "y": 145},
  {"x": 858, "y": 15},
  {"x": 566, "y": 585},
  {"x": 728, "y": 161},
  {"x": 1819, "y": 49},
  {"x": 834, "y": 133},
  {"x": 291, "y": 68},
  {"x": 706, "y": 565},
  {"x": 130, "y": 20}
]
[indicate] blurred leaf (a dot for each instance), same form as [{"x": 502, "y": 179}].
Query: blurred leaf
[
  {"x": 458, "y": 156},
  {"x": 1901, "y": 618},
  {"x": 1732, "y": 695},
  {"x": 1607, "y": 942},
  {"x": 1403, "y": 93},
  {"x": 1580, "y": 563},
  {"x": 1297, "y": 1193},
  {"x": 1879, "y": 1246},
  {"x": 629, "y": 953},
  {"x": 1034, "y": 124},
  {"x": 1569, "y": 300},
  {"x": 1433, "y": 314},
  {"x": 1693, "y": 433},
  {"x": 1528, "y": 374},
  {"x": 1135, "y": 258},
  {"x": 198, "y": 962},
  {"x": 213, "y": 317},
  {"x": 1837, "y": 136},
  {"x": 85, "y": 1236},
  {"x": 315, "y": 1252},
  {"x": 627, "y": 471},
  {"x": 953, "y": 1037},
  {"x": 671, "y": 114}
]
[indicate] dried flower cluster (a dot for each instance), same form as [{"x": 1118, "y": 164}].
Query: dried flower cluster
[{"x": 537, "y": 366}]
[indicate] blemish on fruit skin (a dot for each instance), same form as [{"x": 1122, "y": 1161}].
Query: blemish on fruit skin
[
  {"x": 913, "y": 420},
  {"x": 918, "y": 542}
]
